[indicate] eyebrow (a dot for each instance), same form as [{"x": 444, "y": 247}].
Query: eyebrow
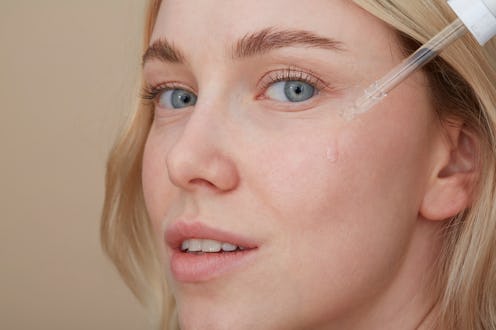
[
  {"x": 253, "y": 44},
  {"x": 164, "y": 51},
  {"x": 268, "y": 39}
]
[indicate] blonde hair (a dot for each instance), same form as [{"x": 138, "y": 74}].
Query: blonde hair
[{"x": 463, "y": 84}]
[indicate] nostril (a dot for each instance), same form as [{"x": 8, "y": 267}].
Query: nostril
[{"x": 202, "y": 182}]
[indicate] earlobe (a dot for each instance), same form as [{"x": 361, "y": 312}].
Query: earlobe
[{"x": 451, "y": 189}]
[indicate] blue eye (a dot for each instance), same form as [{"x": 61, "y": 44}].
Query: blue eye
[
  {"x": 291, "y": 91},
  {"x": 176, "y": 99}
]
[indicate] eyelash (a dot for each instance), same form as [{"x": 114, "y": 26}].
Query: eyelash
[
  {"x": 291, "y": 74},
  {"x": 150, "y": 92}
]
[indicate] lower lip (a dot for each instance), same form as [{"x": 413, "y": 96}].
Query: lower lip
[{"x": 189, "y": 267}]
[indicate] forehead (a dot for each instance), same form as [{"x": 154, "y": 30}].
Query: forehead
[{"x": 201, "y": 23}]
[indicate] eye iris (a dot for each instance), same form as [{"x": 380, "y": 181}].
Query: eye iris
[
  {"x": 181, "y": 98},
  {"x": 298, "y": 91}
]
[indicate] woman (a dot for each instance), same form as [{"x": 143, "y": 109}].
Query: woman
[{"x": 239, "y": 198}]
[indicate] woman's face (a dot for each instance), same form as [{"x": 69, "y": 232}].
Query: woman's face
[{"x": 248, "y": 152}]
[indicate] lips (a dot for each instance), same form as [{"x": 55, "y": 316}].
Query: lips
[{"x": 200, "y": 253}]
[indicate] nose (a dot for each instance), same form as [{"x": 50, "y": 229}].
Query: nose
[{"x": 200, "y": 158}]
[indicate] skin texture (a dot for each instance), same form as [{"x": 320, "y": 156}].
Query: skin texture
[{"x": 343, "y": 212}]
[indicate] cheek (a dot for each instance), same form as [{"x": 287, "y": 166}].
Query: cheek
[
  {"x": 295, "y": 169},
  {"x": 150, "y": 176},
  {"x": 349, "y": 200},
  {"x": 328, "y": 176},
  {"x": 331, "y": 219},
  {"x": 157, "y": 189}
]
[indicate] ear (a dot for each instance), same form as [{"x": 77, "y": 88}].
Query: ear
[{"x": 450, "y": 190}]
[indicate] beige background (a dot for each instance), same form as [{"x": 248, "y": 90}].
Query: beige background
[{"x": 67, "y": 75}]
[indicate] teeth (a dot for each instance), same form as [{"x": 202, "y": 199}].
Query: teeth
[
  {"x": 185, "y": 245},
  {"x": 195, "y": 245},
  {"x": 208, "y": 246},
  {"x": 228, "y": 247}
]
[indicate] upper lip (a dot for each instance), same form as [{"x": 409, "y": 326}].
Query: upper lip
[{"x": 180, "y": 231}]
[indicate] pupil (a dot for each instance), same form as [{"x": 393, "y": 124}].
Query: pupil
[
  {"x": 186, "y": 98},
  {"x": 298, "y": 89}
]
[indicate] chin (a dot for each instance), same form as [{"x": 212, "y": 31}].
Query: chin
[
  {"x": 205, "y": 317},
  {"x": 213, "y": 314}
]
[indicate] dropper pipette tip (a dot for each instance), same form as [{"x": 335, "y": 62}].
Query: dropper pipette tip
[{"x": 381, "y": 88}]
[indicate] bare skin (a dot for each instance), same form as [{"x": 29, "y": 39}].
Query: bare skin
[{"x": 345, "y": 214}]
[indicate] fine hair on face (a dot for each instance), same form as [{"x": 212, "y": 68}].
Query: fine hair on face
[{"x": 462, "y": 91}]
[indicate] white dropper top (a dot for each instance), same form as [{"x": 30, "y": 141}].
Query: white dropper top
[{"x": 479, "y": 16}]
